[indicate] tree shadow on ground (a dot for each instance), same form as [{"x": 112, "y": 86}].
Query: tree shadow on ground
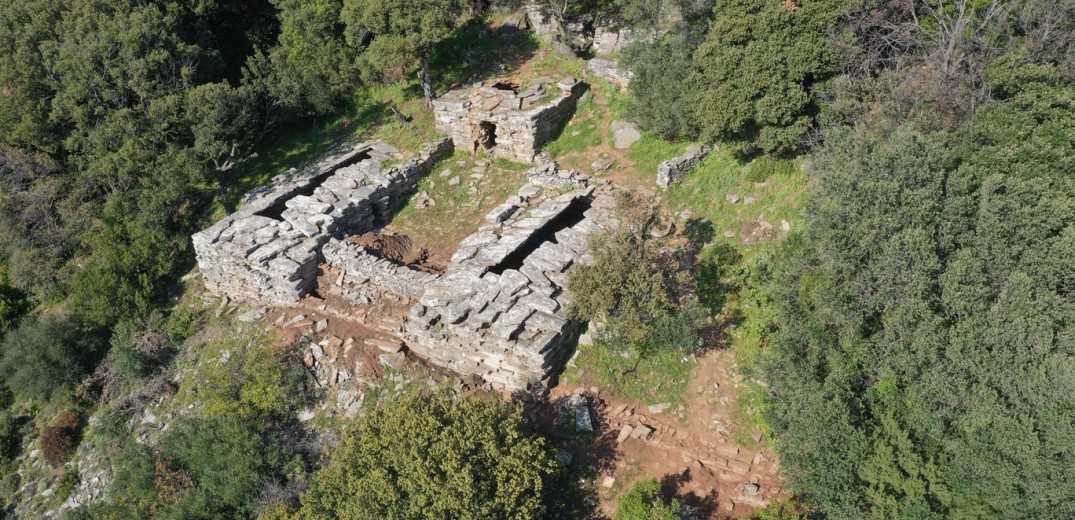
[
  {"x": 696, "y": 506},
  {"x": 478, "y": 51}
]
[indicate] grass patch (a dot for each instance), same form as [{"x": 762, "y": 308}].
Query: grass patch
[
  {"x": 660, "y": 377},
  {"x": 459, "y": 208},
  {"x": 367, "y": 116},
  {"x": 650, "y": 151},
  {"x": 778, "y": 187},
  {"x": 578, "y": 136}
]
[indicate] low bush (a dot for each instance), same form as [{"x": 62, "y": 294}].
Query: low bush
[
  {"x": 251, "y": 380},
  {"x": 205, "y": 468},
  {"x": 43, "y": 355},
  {"x": 644, "y": 502},
  {"x": 59, "y": 440}
]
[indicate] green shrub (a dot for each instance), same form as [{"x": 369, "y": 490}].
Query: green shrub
[
  {"x": 139, "y": 348},
  {"x": 10, "y": 437},
  {"x": 205, "y": 468},
  {"x": 644, "y": 502},
  {"x": 621, "y": 281},
  {"x": 251, "y": 380},
  {"x": 432, "y": 456},
  {"x": 44, "y": 355}
]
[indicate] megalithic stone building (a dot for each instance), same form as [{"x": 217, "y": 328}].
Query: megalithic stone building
[{"x": 498, "y": 118}]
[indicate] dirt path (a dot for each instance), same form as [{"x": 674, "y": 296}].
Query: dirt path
[{"x": 698, "y": 460}]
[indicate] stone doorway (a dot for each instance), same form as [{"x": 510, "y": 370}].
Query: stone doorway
[{"x": 486, "y": 136}]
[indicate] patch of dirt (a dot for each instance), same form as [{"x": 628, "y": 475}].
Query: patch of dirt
[
  {"x": 353, "y": 330},
  {"x": 400, "y": 248},
  {"x": 697, "y": 460}
]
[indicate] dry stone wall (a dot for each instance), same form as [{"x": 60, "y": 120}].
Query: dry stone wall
[
  {"x": 674, "y": 170},
  {"x": 361, "y": 266},
  {"x": 269, "y": 250},
  {"x": 509, "y": 124},
  {"x": 498, "y": 311}
]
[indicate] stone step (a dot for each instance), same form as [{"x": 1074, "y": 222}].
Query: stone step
[{"x": 386, "y": 345}]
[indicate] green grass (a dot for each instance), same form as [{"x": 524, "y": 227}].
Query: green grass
[
  {"x": 577, "y": 137},
  {"x": 704, "y": 193},
  {"x": 661, "y": 377},
  {"x": 650, "y": 151},
  {"x": 457, "y": 213}
]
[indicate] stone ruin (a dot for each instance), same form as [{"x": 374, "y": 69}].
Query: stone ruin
[
  {"x": 269, "y": 250},
  {"x": 498, "y": 311},
  {"x": 496, "y": 117},
  {"x": 675, "y": 169},
  {"x": 496, "y": 314}
]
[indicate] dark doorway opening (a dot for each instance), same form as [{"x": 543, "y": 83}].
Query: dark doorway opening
[
  {"x": 506, "y": 86},
  {"x": 486, "y": 135},
  {"x": 572, "y": 215},
  {"x": 276, "y": 210}
]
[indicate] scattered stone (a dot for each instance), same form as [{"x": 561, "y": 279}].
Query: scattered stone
[
  {"x": 601, "y": 165},
  {"x": 425, "y": 201},
  {"x": 321, "y": 325},
  {"x": 751, "y": 489},
  {"x": 729, "y": 234},
  {"x": 750, "y": 199},
  {"x": 586, "y": 339},
  {"x": 732, "y": 197},
  {"x": 756, "y": 435},
  {"x": 395, "y": 361},
  {"x": 625, "y": 432},
  {"x": 454, "y": 181},
  {"x": 446, "y": 172},
  {"x": 608, "y": 481},
  {"x": 252, "y": 315},
  {"x": 785, "y": 226},
  {"x": 658, "y": 408},
  {"x": 609, "y": 69}
]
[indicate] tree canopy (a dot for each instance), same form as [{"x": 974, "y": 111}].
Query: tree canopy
[{"x": 432, "y": 456}]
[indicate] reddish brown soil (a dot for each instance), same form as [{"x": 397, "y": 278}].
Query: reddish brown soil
[
  {"x": 345, "y": 320},
  {"x": 400, "y": 248},
  {"x": 698, "y": 460}
]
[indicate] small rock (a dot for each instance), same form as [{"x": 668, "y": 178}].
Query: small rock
[
  {"x": 751, "y": 489},
  {"x": 320, "y": 326},
  {"x": 586, "y": 339},
  {"x": 453, "y": 181},
  {"x": 608, "y": 482},
  {"x": 306, "y": 415},
  {"x": 582, "y": 419},
  {"x": 658, "y": 408},
  {"x": 252, "y": 315},
  {"x": 601, "y": 165},
  {"x": 624, "y": 134},
  {"x": 732, "y": 197},
  {"x": 729, "y": 234},
  {"x": 756, "y": 435},
  {"x": 446, "y": 172},
  {"x": 785, "y": 226},
  {"x": 625, "y": 432},
  {"x": 564, "y": 457},
  {"x": 750, "y": 199}
]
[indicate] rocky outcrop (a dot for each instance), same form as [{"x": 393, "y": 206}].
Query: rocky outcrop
[
  {"x": 495, "y": 117},
  {"x": 609, "y": 69},
  {"x": 269, "y": 250},
  {"x": 674, "y": 170}
]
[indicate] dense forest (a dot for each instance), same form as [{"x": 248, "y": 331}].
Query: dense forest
[{"x": 919, "y": 361}]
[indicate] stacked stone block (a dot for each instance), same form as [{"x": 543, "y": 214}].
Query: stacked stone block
[
  {"x": 521, "y": 125},
  {"x": 269, "y": 250},
  {"x": 675, "y": 169},
  {"x": 361, "y": 267},
  {"x": 507, "y": 325}
]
